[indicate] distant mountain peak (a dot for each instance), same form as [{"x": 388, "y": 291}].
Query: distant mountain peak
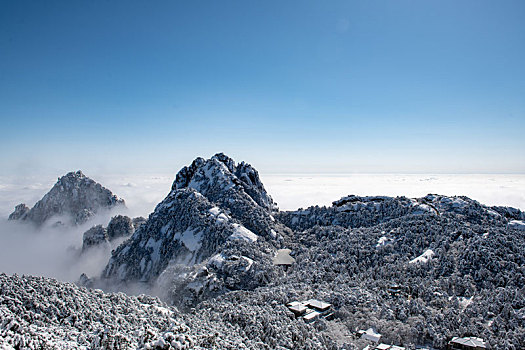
[{"x": 74, "y": 195}]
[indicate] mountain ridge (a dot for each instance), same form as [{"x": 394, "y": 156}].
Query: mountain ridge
[{"x": 416, "y": 270}]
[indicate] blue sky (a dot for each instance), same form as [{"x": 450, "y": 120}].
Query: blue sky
[{"x": 298, "y": 86}]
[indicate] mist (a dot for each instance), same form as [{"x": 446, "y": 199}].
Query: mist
[
  {"x": 56, "y": 252},
  {"x": 51, "y": 251}
]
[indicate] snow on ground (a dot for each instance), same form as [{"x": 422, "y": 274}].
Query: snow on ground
[
  {"x": 220, "y": 216},
  {"x": 214, "y": 211},
  {"x": 155, "y": 245},
  {"x": 371, "y": 334},
  {"x": 517, "y": 224},
  {"x": 382, "y": 241},
  {"x": 464, "y": 302},
  {"x": 454, "y": 202},
  {"x": 190, "y": 238},
  {"x": 423, "y": 258},
  {"x": 242, "y": 232},
  {"x": 217, "y": 260},
  {"x": 249, "y": 263},
  {"x": 283, "y": 257}
]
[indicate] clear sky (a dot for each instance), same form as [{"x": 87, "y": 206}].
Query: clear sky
[{"x": 289, "y": 86}]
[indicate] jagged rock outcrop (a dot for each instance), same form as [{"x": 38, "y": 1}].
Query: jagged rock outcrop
[
  {"x": 96, "y": 236},
  {"x": 185, "y": 227},
  {"x": 235, "y": 188},
  {"x": 74, "y": 198},
  {"x": 85, "y": 281},
  {"x": 138, "y": 221},
  {"x": 510, "y": 213},
  {"x": 20, "y": 212},
  {"x": 120, "y": 226},
  {"x": 214, "y": 207}
]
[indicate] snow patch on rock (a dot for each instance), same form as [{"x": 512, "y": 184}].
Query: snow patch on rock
[
  {"x": 242, "y": 233},
  {"x": 517, "y": 224},
  {"x": 191, "y": 238},
  {"x": 423, "y": 258}
]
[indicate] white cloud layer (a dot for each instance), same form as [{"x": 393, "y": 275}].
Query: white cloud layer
[
  {"x": 50, "y": 251},
  {"x": 55, "y": 252},
  {"x": 294, "y": 191},
  {"x": 291, "y": 191}
]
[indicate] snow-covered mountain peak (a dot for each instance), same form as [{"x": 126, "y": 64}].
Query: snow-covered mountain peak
[
  {"x": 222, "y": 173},
  {"x": 215, "y": 207},
  {"x": 74, "y": 197}
]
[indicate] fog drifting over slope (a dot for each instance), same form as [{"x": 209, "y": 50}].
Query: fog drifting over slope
[
  {"x": 51, "y": 251},
  {"x": 54, "y": 252}
]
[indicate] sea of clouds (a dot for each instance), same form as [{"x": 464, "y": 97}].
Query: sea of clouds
[
  {"x": 291, "y": 191},
  {"x": 56, "y": 252},
  {"x": 294, "y": 191}
]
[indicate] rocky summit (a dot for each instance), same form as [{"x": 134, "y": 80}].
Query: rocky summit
[
  {"x": 235, "y": 188},
  {"x": 72, "y": 200},
  {"x": 215, "y": 228},
  {"x": 120, "y": 226}
]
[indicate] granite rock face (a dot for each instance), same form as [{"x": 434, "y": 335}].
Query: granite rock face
[
  {"x": 217, "y": 215},
  {"x": 20, "y": 212},
  {"x": 234, "y": 188},
  {"x": 96, "y": 236},
  {"x": 120, "y": 226},
  {"x": 138, "y": 221},
  {"x": 75, "y": 198},
  {"x": 184, "y": 228}
]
